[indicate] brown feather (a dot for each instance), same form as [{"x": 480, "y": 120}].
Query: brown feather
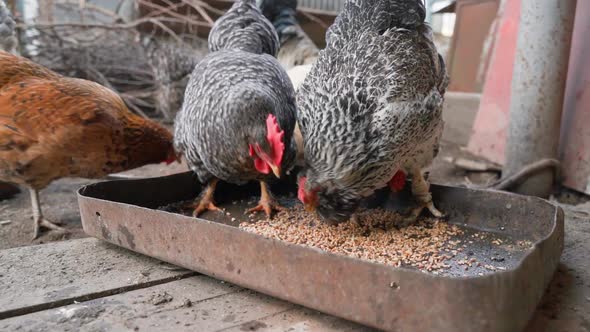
[{"x": 53, "y": 126}]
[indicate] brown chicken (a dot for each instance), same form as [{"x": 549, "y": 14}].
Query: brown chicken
[{"x": 53, "y": 126}]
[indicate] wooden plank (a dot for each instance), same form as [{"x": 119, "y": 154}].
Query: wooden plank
[
  {"x": 194, "y": 304},
  {"x": 198, "y": 303},
  {"x": 46, "y": 276},
  {"x": 300, "y": 320}
]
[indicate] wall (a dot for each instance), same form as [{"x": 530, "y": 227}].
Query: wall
[{"x": 575, "y": 130}]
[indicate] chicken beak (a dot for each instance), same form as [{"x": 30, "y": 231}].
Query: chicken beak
[
  {"x": 173, "y": 157},
  {"x": 276, "y": 171},
  {"x": 309, "y": 208}
]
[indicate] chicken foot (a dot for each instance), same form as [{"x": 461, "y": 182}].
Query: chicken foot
[
  {"x": 267, "y": 203},
  {"x": 205, "y": 201},
  {"x": 421, "y": 192},
  {"x": 38, "y": 218}
]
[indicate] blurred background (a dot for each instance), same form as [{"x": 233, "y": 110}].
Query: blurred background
[
  {"x": 87, "y": 38},
  {"x": 145, "y": 50}
]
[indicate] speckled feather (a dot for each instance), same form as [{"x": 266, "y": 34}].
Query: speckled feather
[
  {"x": 372, "y": 103},
  {"x": 243, "y": 27},
  {"x": 227, "y": 101},
  {"x": 53, "y": 126},
  {"x": 7, "y": 29}
]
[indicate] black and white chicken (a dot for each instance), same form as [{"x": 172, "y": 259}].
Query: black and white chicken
[
  {"x": 243, "y": 27},
  {"x": 370, "y": 110},
  {"x": 8, "y": 41},
  {"x": 238, "y": 116}
]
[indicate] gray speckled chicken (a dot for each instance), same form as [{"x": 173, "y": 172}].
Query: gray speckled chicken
[
  {"x": 238, "y": 116},
  {"x": 370, "y": 110},
  {"x": 243, "y": 27},
  {"x": 7, "y": 30}
]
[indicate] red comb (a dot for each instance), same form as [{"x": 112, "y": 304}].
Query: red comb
[
  {"x": 397, "y": 183},
  {"x": 275, "y": 135},
  {"x": 301, "y": 190}
]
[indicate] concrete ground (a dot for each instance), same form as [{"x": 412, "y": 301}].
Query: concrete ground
[
  {"x": 566, "y": 306},
  {"x": 60, "y": 204}
]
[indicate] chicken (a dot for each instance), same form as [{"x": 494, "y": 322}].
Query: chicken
[
  {"x": 237, "y": 120},
  {"x": 370, "y": 110},
  {"x": 296, "y": 47},
  {"x": 243, "y": 27},
  {"x": 53, "y": 127},
  {"x": 8, "y": 41}
]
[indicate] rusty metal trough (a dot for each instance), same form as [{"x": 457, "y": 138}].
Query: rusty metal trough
[{"x": 126, "y": 213}]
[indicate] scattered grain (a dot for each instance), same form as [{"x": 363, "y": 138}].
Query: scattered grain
[{"x": 372, "y": 236}]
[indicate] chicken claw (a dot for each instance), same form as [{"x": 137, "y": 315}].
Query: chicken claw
[
  {"x": 267, "y": 206},
  {"x": 205, "y": 201},
  {"x": 415, "y": 212},
  {"x": 38, "y": 218},
  {"x": 421, "y": 191},
  {"x": 42, "y": 222},
  {"x": 266, "y": 203},
  {"x": 204, "y": 205}
]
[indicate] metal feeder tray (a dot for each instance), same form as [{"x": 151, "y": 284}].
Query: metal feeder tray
[{"x": 126, "y": 213}]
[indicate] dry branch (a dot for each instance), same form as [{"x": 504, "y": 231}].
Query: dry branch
[{"x": 148, "y": 69}]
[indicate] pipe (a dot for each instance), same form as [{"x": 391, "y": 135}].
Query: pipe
[{"x": 538, "y": 88}]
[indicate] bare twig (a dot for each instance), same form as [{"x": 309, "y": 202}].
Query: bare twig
[
  {"x": 131, "y": 103},
  {"x": 121, "y": 55},
  {"x": 315, "y": 19},
  {"x": 314, "y": 11},
  {"x": 130, "y": 25},
  {"x": 210, "y": 8},
  {"x": 102, "y": 11},
  {"x": 159, "y": 10},
  {"x": 168, "y": 30},
  {"x": 201, "y": 11},
  {"x": 99, "y": 77}
]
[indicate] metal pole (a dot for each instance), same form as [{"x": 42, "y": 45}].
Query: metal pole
[{"x": 538, "y": 87}]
